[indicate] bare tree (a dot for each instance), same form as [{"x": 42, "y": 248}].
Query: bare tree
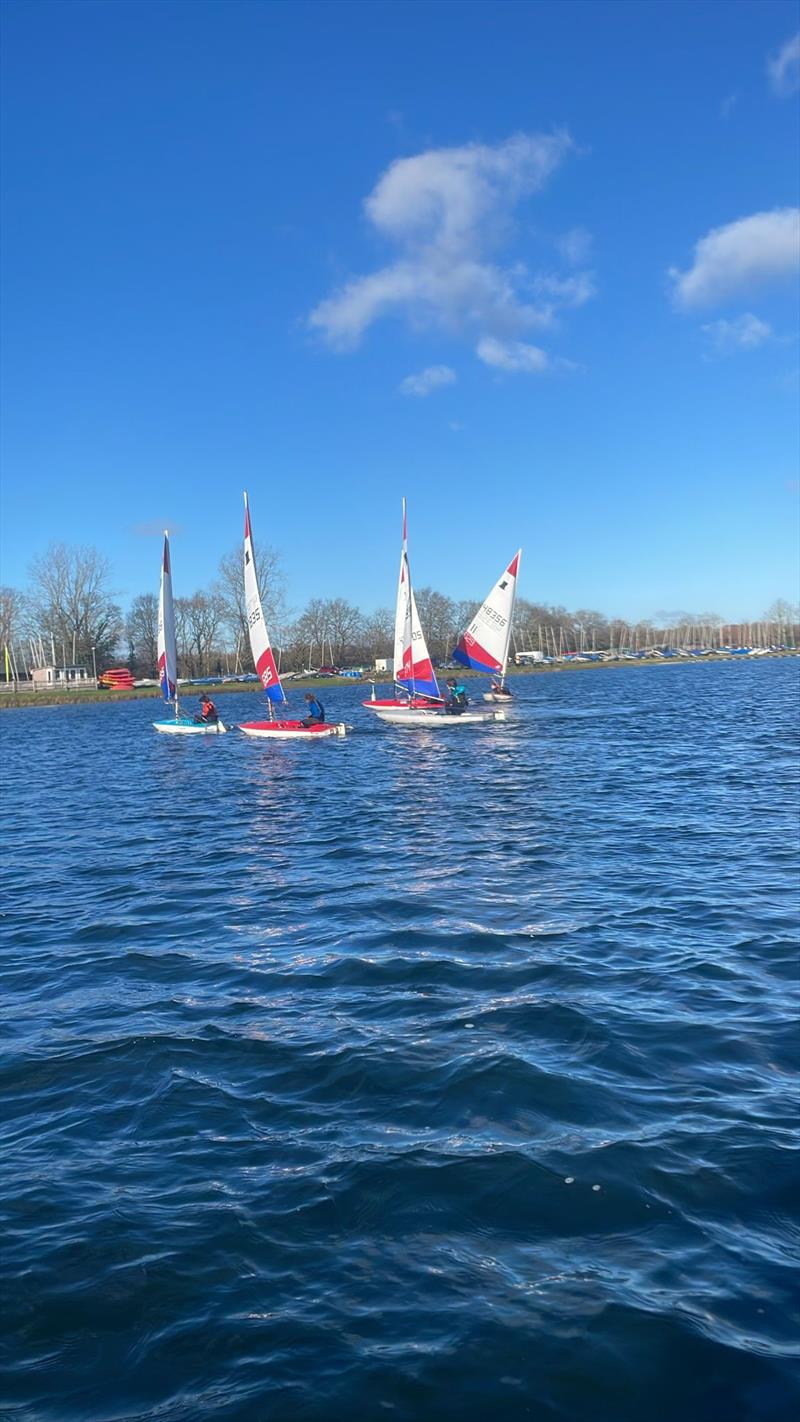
[
  {"x": 230, "y": 590},
  {"x": 377, "y": 634},
  {"x": 309, "y": 632},
  {"x": 141, "y": 630},
  {"x": 439, "y": 618},
  {"x": 203, "y": 618},
  {"x": 11, "y": 616},
  {"x": 344, "y": 622},
  {"x": 72, "y": 605}
]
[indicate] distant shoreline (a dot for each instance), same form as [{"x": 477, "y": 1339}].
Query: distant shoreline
[{"x": 10, "y": 701}]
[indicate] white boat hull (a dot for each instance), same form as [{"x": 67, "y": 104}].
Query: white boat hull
[
  {"x": 498, "y": 700},
  {"x": 190, "y": 728},
  {"x": 292, "y": 730},
  {"x": 420, "y": 716}
]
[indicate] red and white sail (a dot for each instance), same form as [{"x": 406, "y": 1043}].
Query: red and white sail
[
  {"x": 484, "y": 645},
  {"x": 167, "y": 652},
  {"x": 256, "y": 626},
  {"x": 413, "y": 668}
]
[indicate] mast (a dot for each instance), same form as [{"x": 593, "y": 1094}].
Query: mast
[
  {"x": 513, "y": 572},
  {"x": 167, "y": 654}
]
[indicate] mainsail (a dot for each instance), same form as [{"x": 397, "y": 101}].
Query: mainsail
[
  {"x": 413, "y": 668},
  {"x": 256, "y": 626},
  {"x": 484, "y": 645},
  {"x": 167, "y": 655}
]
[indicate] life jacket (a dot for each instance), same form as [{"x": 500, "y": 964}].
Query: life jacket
[
  {"x": 459, "y": 695},
  {"x": 209, "y": 711},
  {"x": 316, "y": 708}
]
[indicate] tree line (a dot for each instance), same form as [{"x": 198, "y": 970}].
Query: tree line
[{"x": 69, "y": 615}]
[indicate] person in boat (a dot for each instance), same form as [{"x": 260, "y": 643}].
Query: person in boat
[
  {"x": 209, "y": 714},
  {"x": 316, "y": 711},
  {"x": 456, "y": 697},
  {"x": 498, "y": 689}
]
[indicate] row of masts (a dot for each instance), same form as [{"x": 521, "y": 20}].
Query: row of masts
[
  {"x": 21, "y": 659},
  {"x": 621, "y": 640}
]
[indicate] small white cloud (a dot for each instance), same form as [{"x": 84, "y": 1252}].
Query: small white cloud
[
  {"x": 512, "y": 355},
  {"x": 784, "y": 68},
  {"x": 575, "y": 246},
  {"x": 743, "y": 334},
  {"x": 728, "y": 105},
  {"x": 432, "y": 378},
  {"x": 565, "y": 291},
  {"x": 739, "y": 256},
  {"x": 448, "y": 211}
]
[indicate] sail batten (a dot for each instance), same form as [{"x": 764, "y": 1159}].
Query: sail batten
[
  {"x": 167, "y": 652},
  {"x": 484, "y": 645},
  {"x": 257, "y": 628}
]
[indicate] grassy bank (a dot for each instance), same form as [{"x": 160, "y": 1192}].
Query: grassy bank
[{"x": 190, "y": 695}]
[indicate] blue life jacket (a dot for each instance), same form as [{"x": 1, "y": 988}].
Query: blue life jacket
[{"x": 316, "y": 708}]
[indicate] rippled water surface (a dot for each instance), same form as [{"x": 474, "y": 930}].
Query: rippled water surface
[{"x": 411, "y": 1075}]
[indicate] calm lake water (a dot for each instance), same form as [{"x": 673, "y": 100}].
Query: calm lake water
[{"x": 413, "y": 1076}]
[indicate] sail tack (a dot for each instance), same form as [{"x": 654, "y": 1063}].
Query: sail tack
[
  {"x": 256, "y": 626},
  {"x": 484, "y": 645},
  {"x": 167, "y": 653}
]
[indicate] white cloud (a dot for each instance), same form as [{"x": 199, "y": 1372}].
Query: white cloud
[
  {"x": 564, "y": 291},
  {"x": 784, "y": 68},
  {"x": 431, "y": 378},
  {"x": 735, "y": 258},
  {"x": 512, "y": 355},
  {"x": 575, "y": 246},
  {"x": 742, "y": 334},
  {"x": 728, "y": 105},
  {"x": 447, "y": 210}
]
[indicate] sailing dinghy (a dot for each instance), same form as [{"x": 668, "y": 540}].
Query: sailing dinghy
[
  {"x": 484, "y": 645},
  {"x": 418, "y": 700},
  {"x": 181, "y": 724},
  {"x": 273, "y": 729}
]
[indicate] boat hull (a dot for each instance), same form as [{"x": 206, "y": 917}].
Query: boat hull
[
  {"x": 498, "y": 700},
  {"x": 398, "y": 713},
  {"x": 292, "y": 730},
  {"x": 189, "y": 728}
]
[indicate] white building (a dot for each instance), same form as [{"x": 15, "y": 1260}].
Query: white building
[{"x": 60, "y": 676}]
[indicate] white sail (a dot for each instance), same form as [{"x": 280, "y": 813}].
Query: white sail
[
  {"x": 256, "y": 626},
  {"x": 484, "y": 645},
  {"x": 167, "y": 652},
  {"x": 413, "y": 668}
]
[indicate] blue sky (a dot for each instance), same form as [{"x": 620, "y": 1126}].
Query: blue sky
[{"x": 533, "y": 266}]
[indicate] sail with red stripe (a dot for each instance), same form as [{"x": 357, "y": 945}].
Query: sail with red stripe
[
  {"x": 256, "y": 626},
  {"x": 413, "y": 669},
  {"x": 484, "y": 645},
  {"x": 167, "y": 653}
]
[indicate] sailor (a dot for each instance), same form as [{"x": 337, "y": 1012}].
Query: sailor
[
  {"x": 208, "y": 711},
  {"x": 498, "y": 689},
  {"x": 316, "y": 711},
  {"x": 456, "y": 697}
]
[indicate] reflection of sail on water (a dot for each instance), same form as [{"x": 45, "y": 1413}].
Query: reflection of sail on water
[
  {"x": 167, "y": 653},
  {"x": 484, "y": 645},
  {"x": 256, "y": 626},
  {"x": 413, "y": 669}
]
